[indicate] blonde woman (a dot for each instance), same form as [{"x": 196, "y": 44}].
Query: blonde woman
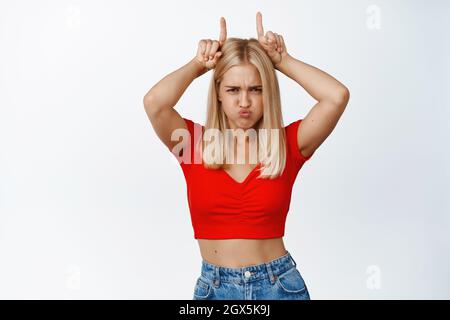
[{"x": 238, "y": 207}]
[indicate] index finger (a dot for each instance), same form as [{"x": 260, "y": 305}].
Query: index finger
[
  {"x": 259, "y": 26},
  {"x": 223, "y": 31}
]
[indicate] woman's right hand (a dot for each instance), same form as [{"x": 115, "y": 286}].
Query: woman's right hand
[{"x": 208, "y": 52}]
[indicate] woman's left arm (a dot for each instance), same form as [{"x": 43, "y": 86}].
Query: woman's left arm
[
  {"x": 331, "y": 95},
  {"x": 332, "y": 98}
]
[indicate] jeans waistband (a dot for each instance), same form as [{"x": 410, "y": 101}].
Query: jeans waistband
[{"x": 269, "y": 270}]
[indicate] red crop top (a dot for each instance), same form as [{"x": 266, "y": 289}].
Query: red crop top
[{"x": 222, "y": 208}]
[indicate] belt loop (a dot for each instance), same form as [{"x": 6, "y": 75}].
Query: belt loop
[
  {"x": 216, "y": 276},
  {"x": 293, "y": 261},
  {"x": 272, "y": 278}
]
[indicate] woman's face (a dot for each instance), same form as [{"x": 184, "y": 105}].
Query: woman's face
[{"x": 241, "y": 96}]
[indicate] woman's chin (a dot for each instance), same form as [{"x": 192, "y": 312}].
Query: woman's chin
[{"x": 245, "y": 123}]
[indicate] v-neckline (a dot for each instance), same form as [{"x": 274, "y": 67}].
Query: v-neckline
[
  {"x": 246, "y": 178},
  {"x": 230, "y": 177}
]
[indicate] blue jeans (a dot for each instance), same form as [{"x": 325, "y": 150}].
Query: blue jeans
[{"x": 278, "y": 279}]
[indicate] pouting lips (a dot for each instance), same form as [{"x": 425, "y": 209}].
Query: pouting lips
[{"x": 244, "y": 114}]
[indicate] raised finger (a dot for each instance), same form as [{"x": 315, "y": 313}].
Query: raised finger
[
  {"x": 259, "y": 25},
  {"x": 223, "y": 31}
]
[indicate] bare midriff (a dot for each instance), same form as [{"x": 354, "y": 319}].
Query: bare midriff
[{"x": 237, "y": 253}]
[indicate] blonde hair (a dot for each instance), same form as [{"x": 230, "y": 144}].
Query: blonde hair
[{"x": 236, "y": 51}]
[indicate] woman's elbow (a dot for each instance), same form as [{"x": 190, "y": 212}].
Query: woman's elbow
[{"x": 341, "y": 97}]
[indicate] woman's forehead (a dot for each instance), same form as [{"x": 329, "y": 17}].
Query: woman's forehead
[{"x": 239, "y": 75}]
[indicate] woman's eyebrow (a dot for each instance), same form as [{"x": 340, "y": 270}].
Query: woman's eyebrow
[{"x": 254, "y": 86}]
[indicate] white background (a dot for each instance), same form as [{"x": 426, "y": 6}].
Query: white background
[{"x": 93, "y": 205}]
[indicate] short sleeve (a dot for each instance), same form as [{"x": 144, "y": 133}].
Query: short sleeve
[
  {"x": 291, "y": 137},
  {"x": 195, "y": 130}
]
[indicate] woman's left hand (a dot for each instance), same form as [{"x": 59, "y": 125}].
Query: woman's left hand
[{"x": 273, "y": 43}]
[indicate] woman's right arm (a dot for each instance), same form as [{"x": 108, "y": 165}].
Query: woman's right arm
[{"x": 160, "y": 100}]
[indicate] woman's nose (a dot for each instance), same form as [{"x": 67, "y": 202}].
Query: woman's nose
[{"x": 245, "y": 101}]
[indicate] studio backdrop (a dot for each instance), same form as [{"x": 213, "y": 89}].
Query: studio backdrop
[{"x": 94, "y": 206}]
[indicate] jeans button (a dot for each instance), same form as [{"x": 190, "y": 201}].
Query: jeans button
[{"x": 247, "y": 274}]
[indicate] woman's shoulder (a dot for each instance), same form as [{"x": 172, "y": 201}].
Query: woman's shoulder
[
  {"x": 191, "y": 124},
  {"x": 292, "y": 140}
]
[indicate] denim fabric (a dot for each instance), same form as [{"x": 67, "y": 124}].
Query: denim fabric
[{"x": 278, "y": 279}]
